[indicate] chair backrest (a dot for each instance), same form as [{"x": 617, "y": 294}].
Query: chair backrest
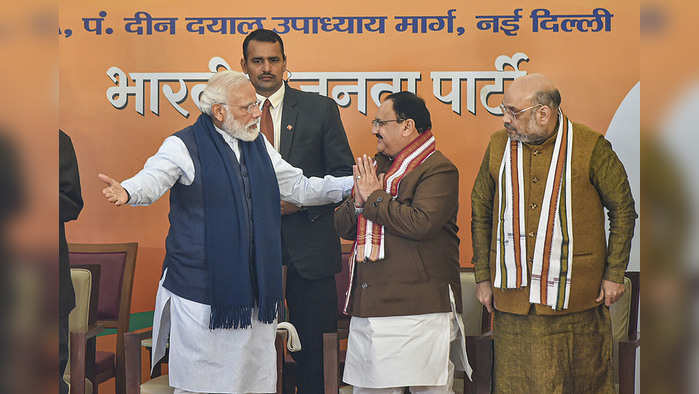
[
  {"x": 117, "y": 262},
  {"x": 342, "y": 279},
  {"x": 86, "y": 281},
  {"x": 472, "y": 314},
  {"x": 624, "y": 312},
  {"x": 82, "y": 283},
  {"x": 472, "y": 309},
  {"x": 96, "y": 273},
  {"x": 620, "y": 313}
]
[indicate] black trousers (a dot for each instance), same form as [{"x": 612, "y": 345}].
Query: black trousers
[{"x": 312, "y": 310}]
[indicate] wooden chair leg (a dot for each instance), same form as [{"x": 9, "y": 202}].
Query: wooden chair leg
[
  {"x": 331, "y": 362},
  {"x": 77, "y": 362},
  {"x": 280, "y": 345},
  {"x": 627, "y": 367}
]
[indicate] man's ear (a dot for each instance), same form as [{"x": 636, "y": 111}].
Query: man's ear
[
  {"x": 217, "y": 112},
  {"x": 243, "y": 65},
  {"x": 545, "y": 114},
  {"x": 408, "y": 126}
]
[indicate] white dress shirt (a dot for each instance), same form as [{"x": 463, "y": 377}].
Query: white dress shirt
[{"x": 277, "y": 101}]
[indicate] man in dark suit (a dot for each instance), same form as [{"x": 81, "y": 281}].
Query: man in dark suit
[
  {"x": 70, "y": 203},
  {"x": 307, "y": 130}
]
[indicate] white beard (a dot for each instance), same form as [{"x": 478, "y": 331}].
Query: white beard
[{"x": 242, "y": 132}]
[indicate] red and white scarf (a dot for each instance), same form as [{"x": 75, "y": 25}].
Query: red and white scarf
[
  {"x": 553, "y": 250},
  {"x": 370, "y": 242}
]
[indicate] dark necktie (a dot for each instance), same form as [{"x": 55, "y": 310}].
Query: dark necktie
[{"x": 266, "y": 124}]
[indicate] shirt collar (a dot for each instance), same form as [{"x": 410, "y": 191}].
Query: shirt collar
[{"x": 275, "y": 99}]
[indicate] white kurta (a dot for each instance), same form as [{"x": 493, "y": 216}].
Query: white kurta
[
  {"x": 218, "y": 361},
  {"x": 400, "y": 351},
  {"x": 212, "y": 361}
]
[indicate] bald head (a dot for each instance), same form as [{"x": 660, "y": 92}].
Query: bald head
[
  {"x": 534, "y": 89},
  {"x": 531, "y": 104}
]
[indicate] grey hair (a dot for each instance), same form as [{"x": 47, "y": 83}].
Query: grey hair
[
  {"x": 550, "y": 98},
  {"x": 216, "y": 91}
]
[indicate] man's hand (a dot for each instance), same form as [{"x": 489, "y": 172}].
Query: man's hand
[
  {"x": 610, "y": 292},
  {"x": 484, "y": 293},
  {"x": 358, "y": 201},
  {"x": 289, "y": 208},
  {"x": 114, "y": 192},
  {"x": 365, "y": 179}
]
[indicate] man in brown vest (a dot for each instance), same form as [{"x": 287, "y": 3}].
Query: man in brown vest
[
  {"x": 540, "y": 254},
  {"x": 404, "y": 292}
]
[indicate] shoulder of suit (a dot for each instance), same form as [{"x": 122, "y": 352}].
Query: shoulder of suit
[
  {"x": 440, "y": 161},
  {"x": 499, "y": 135}
]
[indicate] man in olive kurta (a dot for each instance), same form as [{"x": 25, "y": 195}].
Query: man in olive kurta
[{"x": 552, "y": 333}]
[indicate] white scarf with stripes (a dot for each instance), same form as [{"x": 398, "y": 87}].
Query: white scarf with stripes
[{"x": 553, "y": 250}]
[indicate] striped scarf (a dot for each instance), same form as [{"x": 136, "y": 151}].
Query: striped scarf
[
  {"x": 553, "y": 257},
  {"x": 370, "y": 243}
]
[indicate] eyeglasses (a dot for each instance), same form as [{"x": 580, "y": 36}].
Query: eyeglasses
[
  {"x": 250, "y": 107},
  {"x": 378, "y": 123},
  {"x": 515, "y": 115}
]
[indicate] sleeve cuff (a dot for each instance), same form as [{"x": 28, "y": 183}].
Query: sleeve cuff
[
  {"x": 371, "y": 205},
  {"x": 481, "y": 274},
  {"x": 615, "y": 276}
]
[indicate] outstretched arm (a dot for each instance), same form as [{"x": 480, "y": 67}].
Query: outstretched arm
[
  {"x": 297, "y": 189},
  {"x": 172, "y": 163}
]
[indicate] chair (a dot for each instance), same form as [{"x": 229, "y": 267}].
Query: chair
[
  {"x": 624, "y": 314},
  {"x": 117, "y": 263},
  {"x": 335, "y": 343},
  {"x": 82, "y": 326},
  {"x": 477, "y": 323},
  {"x": 160, "y": 384}
]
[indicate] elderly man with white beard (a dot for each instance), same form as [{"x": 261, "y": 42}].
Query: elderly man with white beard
[{"x": 221, "y": 287}]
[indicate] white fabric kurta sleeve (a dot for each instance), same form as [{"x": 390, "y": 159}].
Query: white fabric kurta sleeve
[
  {"x": 170, "y": 164},
  {"x": 297, "y": 189}
]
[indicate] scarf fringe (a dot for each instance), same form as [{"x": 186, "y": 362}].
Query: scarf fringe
[
  {"x": 269, "y": 309},
  {"x": 230, "y": 317},
  {"x": 241, "y": 316}
]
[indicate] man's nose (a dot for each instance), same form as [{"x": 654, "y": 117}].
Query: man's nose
[{"x": 266, "y": 66}]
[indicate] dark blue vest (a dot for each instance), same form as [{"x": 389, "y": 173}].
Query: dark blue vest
[{"x": 185, "y": 260}]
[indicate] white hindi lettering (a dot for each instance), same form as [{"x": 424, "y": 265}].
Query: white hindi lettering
[
  {"x": 118, "y": 95},
  {"x": 471, "y": 77},
  {"x": 342, "y": 87},
  {"x": 341, "y": 93}
]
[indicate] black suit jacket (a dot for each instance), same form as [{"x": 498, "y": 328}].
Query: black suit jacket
[
  {"x": 313, "y": 139},
  {"x": 70, "y": 203}
]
